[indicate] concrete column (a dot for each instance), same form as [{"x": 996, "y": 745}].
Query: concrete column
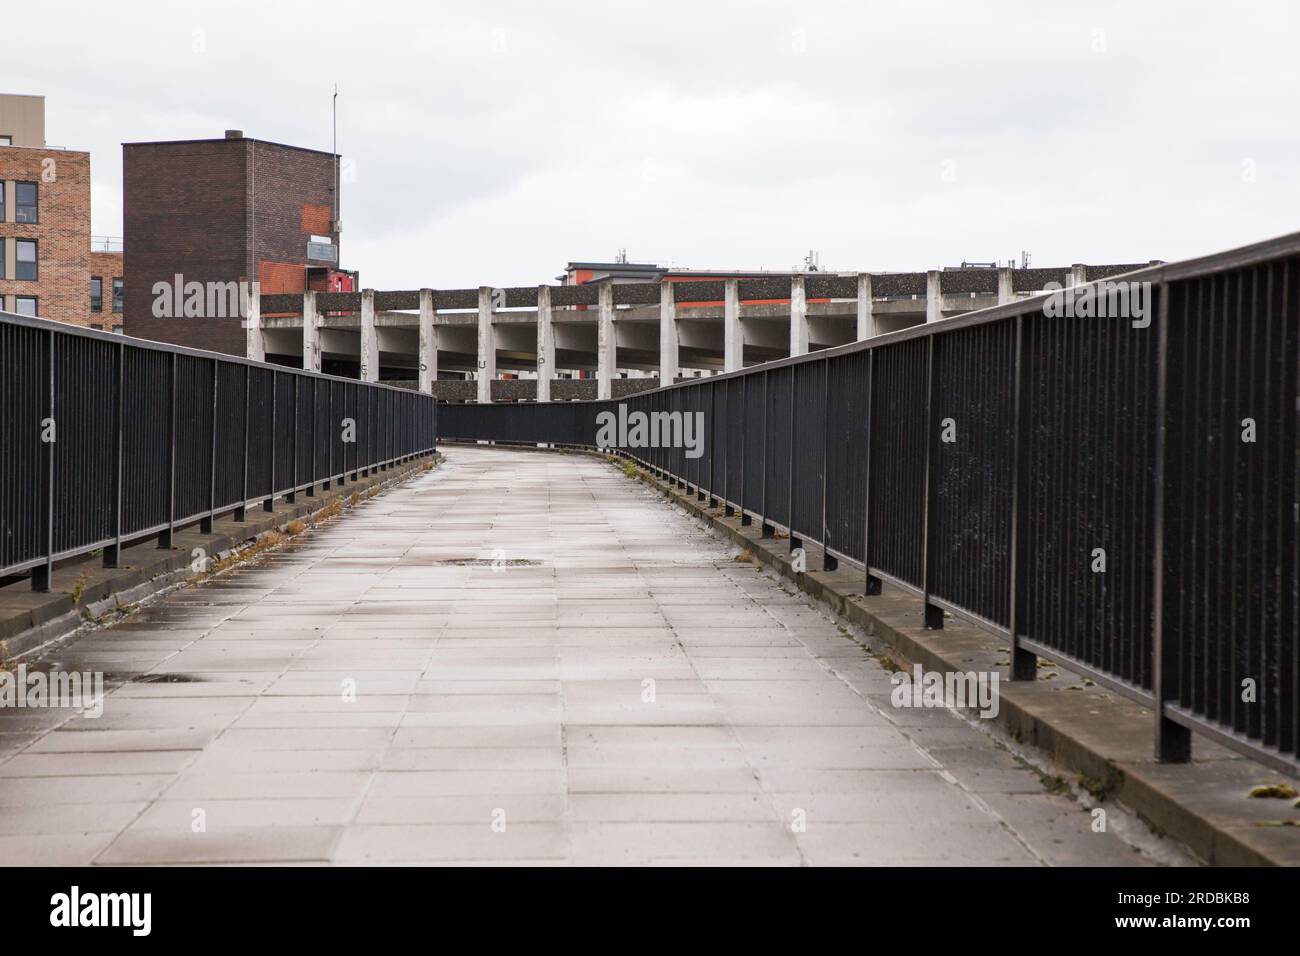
[
  {"x": 545, "y": 343},
  {"x": 310, "y": 333},
  {"x": 369, "y": 338},
  {"x": 428, "y": 343},
  {"x": 733, "y": 337},
  {"x": 1006, "y": 287},
  {"x": 256, "y": 343},
  {"x": 669, "y": 355},
  {"x": 606, "y": 347},
  {"x": 933, "y": 296},
  {"x": 866, "y": 308},
  {"x": 1078, "y": 274},
  {"x": 798, "y": 317},
  {"x": 487, "y": 345}
]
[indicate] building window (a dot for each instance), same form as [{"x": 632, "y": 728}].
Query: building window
[
  {"x": 2, "y": 258},
  {"x": 97, "y": 326},
  {"x": 26, "y": 257},
  {"x": 2, "y": 201},
  {"x": 117, "y": 330},
  {"x": 6, "y": 140},
  {"x": 117, "y": 295},
  {"x": 96, "y": 294},
  {"x": 25, "y": 305},
  {"x": 25, "y": 200}
]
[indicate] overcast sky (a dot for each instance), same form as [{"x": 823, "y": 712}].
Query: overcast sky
[{"x": 493, "y": 142}]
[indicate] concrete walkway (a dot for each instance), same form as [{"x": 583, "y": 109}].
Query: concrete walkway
[{"x": 521, "y": 657}]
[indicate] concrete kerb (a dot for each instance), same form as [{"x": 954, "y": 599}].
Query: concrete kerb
[
  {"x": 84, "y": 594},
  {"x": 1103, "y": 738}
]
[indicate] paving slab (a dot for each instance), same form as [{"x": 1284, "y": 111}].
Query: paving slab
[{"x": 618, "y": 691}]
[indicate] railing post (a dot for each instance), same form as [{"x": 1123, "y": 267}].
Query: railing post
[
  {"x": 1024, "y": 664},
  {"x": 745, "y": 518},
  {"x": 329, "y": 435},
  {"x": 205, "y": 524},
  {"x": 713, "y": 458},
  {"x": 728, "y": 496},
  {"x": 795, "y": 542},
  {"x": 269, "y": 503},
  {"x": 1173, "y": 742},
  {"x": 829, "y": 561},
  {"x": 292, "y": 496},
  {"x": 311, "y": 488},
  {"x": 873, "y": 585},
  {"x": 768, "y": 529},
  {"x": 113, "y": 552},
  {"x": 241, "y": 513},
  {"x": 165, "y": 537},
  {"x": 43, "y": 575},
  {"x": 933, "y": 613}
]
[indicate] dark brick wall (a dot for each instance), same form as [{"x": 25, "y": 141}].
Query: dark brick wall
[
  {"x": 293, "y": 194},
  {"x": 184, "y": 210},
  {"x": 227, "y": 210}
]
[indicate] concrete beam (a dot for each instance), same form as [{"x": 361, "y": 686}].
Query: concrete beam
[
  {"x": 310, "y": 332},
  {"x": 798, "y": 317},
  {"x": 428, "y": 343},
  {"x": 733, "y": 336},
  {"x": 545, "y": 343},
  {"x": 487, "y": 346},
  {"x": 1006, "y": 290},
  {"x": 255, "y": 345},
  {"x": 866, "y": 308},
  {"x": 933, "y": 296},
  {"x": 606, "y": 346},
  {"x": 369, "y": 338},
  {"x": 669, "y": 352}
]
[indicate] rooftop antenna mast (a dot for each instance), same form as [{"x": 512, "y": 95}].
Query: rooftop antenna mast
[{"x": 337, "y": 177}]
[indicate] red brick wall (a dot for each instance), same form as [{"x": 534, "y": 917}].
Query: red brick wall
[
  {"x": 62, "y": 234},
  {"x": 108, "y": 266}
]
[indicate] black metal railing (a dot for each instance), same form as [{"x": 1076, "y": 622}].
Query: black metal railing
[
  {"x": 105, "y": 440},
  {"x": 1117, "y": 494}
]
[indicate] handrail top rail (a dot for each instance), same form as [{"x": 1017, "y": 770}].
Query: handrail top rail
[{"x": 66, "y": 328}]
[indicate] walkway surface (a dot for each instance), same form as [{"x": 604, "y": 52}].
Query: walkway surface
[{"x": 520, "y": 657}]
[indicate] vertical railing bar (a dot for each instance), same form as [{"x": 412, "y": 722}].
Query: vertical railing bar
[
  {"x": 241, "y": 513},
  {"x": 1173, "y": 743},
  {"x": 205, "y": 524},
  {"x": 829, "y": 562},
  {"x": 166, "y": 538},
  {"x": 873, "y": 584},
  {"x": 933, "y": 614},
  {"x": 113, "y": 553},
  {"x": 43, "y": 576},
  {"x": 795, "y": 543},
  {"x": 765, "y": 523},
  {"x": 292, "y": 496},
  {"x": 1024, "y": 664},
  {"x": 269, "y": 503}
]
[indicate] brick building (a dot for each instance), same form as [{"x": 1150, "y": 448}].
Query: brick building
[
  {"x": 45, "y": 247},
  {"x": 218, "y": 211}
]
